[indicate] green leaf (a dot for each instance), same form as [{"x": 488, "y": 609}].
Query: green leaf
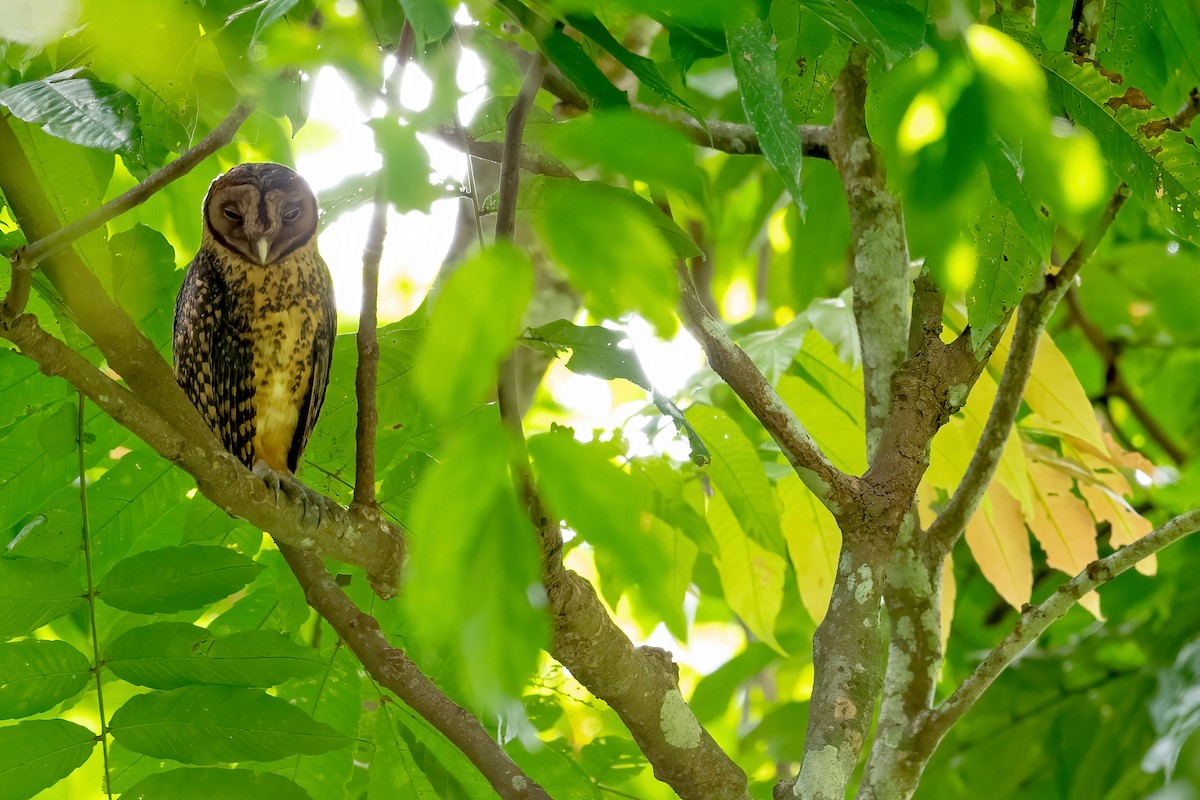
[
  {"x": 82, "y": 111},
  {"x": 698, "y": 451},
  {"x": 1007, "y": 263},
  {"x": 430, "y": 20},
  {"x": 1161, "y": 164},
  {"x": 737, "y": 471},
  {"x": 37, "y": 675},
  {"x": 144, "y": 280},
  {"x": 346, "y": 195},
  {"x": 59, "y": 432},
  {"x": 714, "y": 691},
  {"x": 662, "y": 158},
  {"x": 605, "y": 240},
  {"x": 471, "y": 532},
  {"x": 599, "y": 501},
  {"x": 272, "y": 12},
  {"x": 413, "y": 760},
  {"x": 1005, "y": 171},
  {"x": 202, "y": 783},
  {"x": 751, "y": 576},
  {"x": 472, "y": 329},
  {"x": 595, "y": 350},
  {"x": 211, "y": 724},
  {"x": 168, "y": 655},
  {"x": 814, "y": 544},
  {"x": 569, "y": 56},
  {"x": 333, "y": 696},
  {"x": 405, "y": 166},
  {"x": 646, "y": 70},
  {"x": 33, "y": 592},
  {"x": 37, "y": 754},
  {"x": 753, "y": 59},
  {"x": 890, "y": 29},
  {"x": 663, "y": 487},
  {"x": 176, "y": 578}
]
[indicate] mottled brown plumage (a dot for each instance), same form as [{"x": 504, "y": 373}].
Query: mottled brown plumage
[{"x": 255, "y": 318}]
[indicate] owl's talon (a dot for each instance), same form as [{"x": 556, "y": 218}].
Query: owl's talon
[
  {"x": 268, "y": 476},
  {"x": 310, "y": 502}
]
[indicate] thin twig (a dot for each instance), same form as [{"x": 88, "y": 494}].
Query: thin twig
[
  {"x": 1035, "y": 620},
  {"x": 367, "y": 339},
  {"x": 533, "y": 160},
  {"x": 514, "y": 130},
  {"x": 394, "y": 670},
  {"x": 91, "y": 590},
  {"x": 729, "y": 361},
  {"x": 217, "y": 138},
  {"x": 1115, "y": 381}
]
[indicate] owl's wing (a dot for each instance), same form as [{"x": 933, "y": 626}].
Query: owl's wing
[
  {"x": 322, "y": 356},
  {"x": 213, "y": 362}
]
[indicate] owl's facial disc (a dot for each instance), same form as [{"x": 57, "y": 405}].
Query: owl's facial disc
[{"x": 263, "y": 211}]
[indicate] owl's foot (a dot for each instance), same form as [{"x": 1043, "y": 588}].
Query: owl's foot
[{"x": 312, "y": 503}]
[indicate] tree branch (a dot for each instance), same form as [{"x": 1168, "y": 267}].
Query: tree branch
[
  {"x": 376, "y": 546},
  {"x": 533, "y": 160},
  {"x": 1115, "y": 382},
  {"x": 367, "y": 369},
  {"x": 827, "y": 482},
  {"x": 879, "y": 247},
  {"x": 1035, "y": 620},
  {"x": 641, "y": 684},
  {"x": 217, "y": 138},
  {"x": 735, "y": 138},
  {"x": 393, "y": 669}
]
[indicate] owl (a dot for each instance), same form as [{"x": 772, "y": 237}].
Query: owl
[{"x": 255, "y": 319}]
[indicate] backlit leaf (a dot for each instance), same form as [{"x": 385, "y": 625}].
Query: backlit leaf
[
  {"x": 211, "y": 724},
  {"x": 176, "y": 578},
  {"x": 36, "y": 754},
  {"x": 737, "y": 471},
  {"x": 475, "y": 319},
  {"x": 814, "y": 542},
  {"x": 751, "y": 575},
  {"x": 168, "y": 655},
  {"x": 201, "y": 783},
  {"x": 33, "y": 592},
  {"x": 37, "y": 675},
  {"x": 1062, "y": 525},
  {"x": 1000, "y": 544}
]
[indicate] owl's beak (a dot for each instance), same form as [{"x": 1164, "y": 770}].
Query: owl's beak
[{"x": 264, "y": 247}]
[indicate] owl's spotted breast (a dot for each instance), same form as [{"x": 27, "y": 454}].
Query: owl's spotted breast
[{"x": 255, "y": 319}]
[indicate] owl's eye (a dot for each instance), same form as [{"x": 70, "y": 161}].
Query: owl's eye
[
  {"x": 291, "y": 215},
  {"x": 231, "y": 215}
]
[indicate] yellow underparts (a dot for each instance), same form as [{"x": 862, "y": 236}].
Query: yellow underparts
[{"x": 281, "y": 371}]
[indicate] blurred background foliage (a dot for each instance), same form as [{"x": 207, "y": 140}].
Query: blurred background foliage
[{"x": 1004, "y": 150}]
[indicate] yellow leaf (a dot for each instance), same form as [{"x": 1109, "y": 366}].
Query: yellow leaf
[
  {"x": 1061, "y": 521},
  {"x": 1056, "y": 396},
  {"x": 1000, "y": 544},
  {"x": 955, "y": 443},
  {"x": 1127, "y": 525},
  {"x": 751, "y": 575},
  {"x": 813, "y": 541},
  {"x": 949, "y": 595}
]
